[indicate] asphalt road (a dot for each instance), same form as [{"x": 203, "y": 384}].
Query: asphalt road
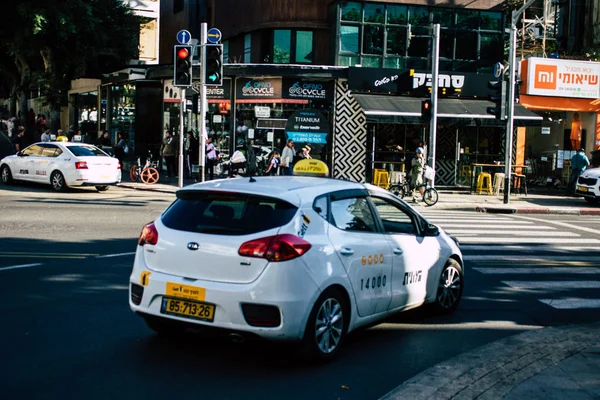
[{"x": 67, "y": 331}]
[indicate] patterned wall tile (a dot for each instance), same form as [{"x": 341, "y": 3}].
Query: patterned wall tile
[{"x": 349, "y": 136}]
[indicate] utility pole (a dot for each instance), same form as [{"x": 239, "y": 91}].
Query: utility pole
[
  {"x": 181, "y": 135},
  {"x": 202, "y": 138},
  {"x": 512, "y": 70},
  {"x": 435, "y": 39}
]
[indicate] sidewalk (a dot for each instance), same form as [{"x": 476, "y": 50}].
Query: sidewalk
[
  {"x": 536, "y": 201},
  {"x": 548, "y": 363}
]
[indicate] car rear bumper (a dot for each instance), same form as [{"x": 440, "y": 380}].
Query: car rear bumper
[
  {"x": 589, "y": 192},
  {"x": 288, "y": 288}
]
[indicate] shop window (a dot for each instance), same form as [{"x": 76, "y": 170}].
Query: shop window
[
  {"x": 446, "y": 43},
  {"x": 304, "y": 47},
  {"x": 418, "y": 16},
  {"x": 351, "y": 11},
  {"x": 491, "y": 47},
  {"x": 467, "y": 19},
  {"x": 491, "y": 21},
  {"x": 348, "y": 61},
  {"x": 396, "y": 15},
  {"x": 247, "y": 48},
  {"x": 374, "y": 13},
  {"x": 349, "y": 38},
  {"x": 444, "y": 17},
  {"x": 373, "y": 41},
  {"x": 394, "y": 62},
  {"x": 282, "y": 46},
  {"x": 467, "y": 45},
  {"x": 417, "y": 63},
  {"x": 419, "y": 46},
  {"x": 396, "y": 41}
]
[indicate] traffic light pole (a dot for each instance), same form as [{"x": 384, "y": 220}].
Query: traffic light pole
[
  {"x": 434, "y": 97},
  {"x": 203, "y": 134},
  {"x": 512, "y": 70},
  {"x": 181, "y": 135}
]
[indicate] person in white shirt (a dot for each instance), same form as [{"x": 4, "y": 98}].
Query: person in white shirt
[
  {"x": 211, "y": 158},
  {"x": 46, "y": 135}
]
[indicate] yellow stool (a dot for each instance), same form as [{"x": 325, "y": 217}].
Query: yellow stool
[
  {"x": 383, "y": 180},
  {"x": 498, "y": 182},
  {"x": 484, "y": 183},
  {"x": 376, "y": 175}
]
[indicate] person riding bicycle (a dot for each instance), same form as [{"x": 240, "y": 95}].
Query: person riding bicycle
[{"x": 416, "y": 173}]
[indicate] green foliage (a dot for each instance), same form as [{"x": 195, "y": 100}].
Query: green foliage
[{"x": 60, "y": 40}]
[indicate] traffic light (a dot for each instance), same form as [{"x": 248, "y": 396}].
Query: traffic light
[
  {"x": 499, "y": 97},
  {"x": 426, "y": 109},
  {"x": 182, "y": 66},
  {"x": 214, "y": 65}
]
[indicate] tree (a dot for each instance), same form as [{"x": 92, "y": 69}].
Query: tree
[{"x": 52, "y": 42}]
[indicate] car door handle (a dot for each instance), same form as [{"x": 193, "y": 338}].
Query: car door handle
[
  {"x": 398, "y": 251},
  {"x": 345, "y": 251}
]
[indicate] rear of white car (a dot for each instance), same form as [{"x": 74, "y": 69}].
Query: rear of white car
[
  {"x": 226, "y": 260},
  {"x": 90, "y": 166}
]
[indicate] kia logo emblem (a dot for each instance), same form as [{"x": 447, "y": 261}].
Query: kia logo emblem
[{"x": 193, "y": 246}]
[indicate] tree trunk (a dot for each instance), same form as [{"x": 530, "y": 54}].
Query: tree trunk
[
  {"x": 53, "y": 94},
  {"x": 23, "y": 95}
]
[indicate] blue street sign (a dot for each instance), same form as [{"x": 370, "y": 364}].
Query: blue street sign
[
  {"x": 498, "y": 68},
  {"x": 213, "y": 35},
  {"x": 184, "y": 37}
]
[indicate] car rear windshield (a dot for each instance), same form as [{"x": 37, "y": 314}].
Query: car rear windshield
[
  {"x": 226, "y": 213},
  {"x": 86, "y": 151}
]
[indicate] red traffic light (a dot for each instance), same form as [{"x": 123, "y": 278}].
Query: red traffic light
[
  {"x": 183, "y": 53},
  {"x": 426, "y": 105}
]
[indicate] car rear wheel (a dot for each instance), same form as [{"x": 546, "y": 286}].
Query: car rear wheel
[
  {"x": 58, "y": 181},
  {"x": 6, "y": 175},
  {"x": 103, "y": 188},
  {"x": 165, "y": 327},
  {"x": 326, "y": 327},
  {"x": 450, "y": 287}
]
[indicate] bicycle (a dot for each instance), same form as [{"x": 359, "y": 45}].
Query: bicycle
[
  {"x": 147, "y": 174},
  {"x": 430, "y": 194}
]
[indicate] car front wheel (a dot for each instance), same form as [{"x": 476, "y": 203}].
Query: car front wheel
[
  {"x": 326, "y": 327},
  {"x": 6, "y": 175},
  {"x": 450, "y": 287},
  {"x": 103, "y": 188},
  {"x": 58, "y": 181}
]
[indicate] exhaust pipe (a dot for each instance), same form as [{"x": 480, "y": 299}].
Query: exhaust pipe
[{"x": 236, "y": 338}]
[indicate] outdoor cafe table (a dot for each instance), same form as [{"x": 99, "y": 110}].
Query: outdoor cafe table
[{"x": 479, "y": 166}]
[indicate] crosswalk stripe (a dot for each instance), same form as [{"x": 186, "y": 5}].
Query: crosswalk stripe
[
  {"x": 458, "y": 232},
  {"x": 571, "y": 303},
  {"x": 471, "y": 220},
  {"x": 556, "y": 285},
  {"x": 539, "y": 271},
  {"x": 503, "y": 226},
  {"x": 513, "y": 248},
  {"x": 532, "y": 240}
]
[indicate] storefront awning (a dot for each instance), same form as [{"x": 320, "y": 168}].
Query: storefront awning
[{"x": 398, "y": 109}]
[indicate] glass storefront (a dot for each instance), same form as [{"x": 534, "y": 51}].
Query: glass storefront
[
  {"x": 85, "y": 112},
  {"x": 122, "y": 110}
]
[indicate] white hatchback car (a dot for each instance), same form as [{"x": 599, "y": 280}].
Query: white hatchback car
[
  {"x": 290, "y": 258},
  {"x": 62, "y": 164},
  {"x": 588, "y": 185}
]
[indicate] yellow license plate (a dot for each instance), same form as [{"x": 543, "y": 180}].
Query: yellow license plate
[
  {"x": 188, "y": 309},
  {"x": 582, "y": 188},
  {"x": 104, "y": 177}
]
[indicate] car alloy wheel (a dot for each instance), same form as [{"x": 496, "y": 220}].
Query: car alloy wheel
[
  {"x": 450, "y": 287},
  {"x": 6, "y": 175},
  {"x": 326, "y": 327},
  {"x": 102, "y": 188},
  {"x": 58, "y": 181}
]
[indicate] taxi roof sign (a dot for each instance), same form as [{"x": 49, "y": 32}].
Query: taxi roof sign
[{"x": 310, "y": 167}]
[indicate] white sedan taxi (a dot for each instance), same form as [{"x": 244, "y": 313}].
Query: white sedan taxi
[
  {"x": 62, "y": 165},
  {"x": 293, "y": 258}
]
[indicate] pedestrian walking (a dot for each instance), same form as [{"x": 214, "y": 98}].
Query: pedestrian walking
[
  {"x": 105, "y": 139},
  {"x": 287, "y": 158},
  {"x": 579, "y": 162},
  {"x": 19, "y": 139},
  {"x": 273, "y": 164},
  {"x": 416, "y": 173},
  {"x": 168, "y": 151},
  {"x": 45, "y": 135},
  {"x": 121, "y": 149},
  {"x": 211, "y": 157},
  {"x": 190, "y": 150}
]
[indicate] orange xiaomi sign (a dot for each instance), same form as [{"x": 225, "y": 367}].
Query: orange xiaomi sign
[{"x": 545, "y": 76}]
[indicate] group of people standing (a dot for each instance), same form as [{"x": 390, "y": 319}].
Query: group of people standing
[{"x": 285, "y": 161}]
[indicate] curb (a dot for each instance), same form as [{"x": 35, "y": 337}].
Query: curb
[{"x": 493, "y": 370}]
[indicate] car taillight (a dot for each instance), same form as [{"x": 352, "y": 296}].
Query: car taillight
[
  {"x": 118, "y": 165},
  {"x": 275, "y": 248},
  {"x": 81, "y": 165},
  {"x": 149, "y": 235}
]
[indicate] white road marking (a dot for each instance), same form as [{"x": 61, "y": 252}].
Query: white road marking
[
  {"x": 540, "y": 240},
  {"x": 539, "y": 270},
  {"x": 503, "y": 226},
  {"x": 571, "y": 303},
  {"x": 562, "y": 224},
  {"x": 116, "y": 255},
  {"x": 512, "y": 248},
  {"x": 554, "y": 285},
  {"x": 470, "y": 220},
  {"x": 521, "y": 233},
  {"x": 19, "y": 266}
]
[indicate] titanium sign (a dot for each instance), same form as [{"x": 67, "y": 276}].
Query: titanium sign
[
  {"x": 563, "y": 78},
  {"x": 307, "y": 126}
]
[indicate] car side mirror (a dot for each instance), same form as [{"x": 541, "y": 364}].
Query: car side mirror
[
  {"x": 20, "y": 154},
  {"x": 432, "y": 230}
]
